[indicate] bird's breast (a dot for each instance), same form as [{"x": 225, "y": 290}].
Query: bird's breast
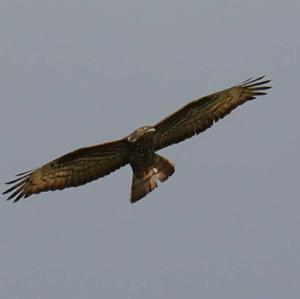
[{"x": 141, "y": 151}]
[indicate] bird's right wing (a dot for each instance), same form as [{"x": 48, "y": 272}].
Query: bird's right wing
[
  {"x": 199, "y": 115},
  {"x": 73, "y": 169}
]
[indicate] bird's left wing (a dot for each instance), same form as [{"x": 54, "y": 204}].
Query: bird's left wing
[
  {"x": 197, "y": 116},
  {"x": 73, "y": 169}
]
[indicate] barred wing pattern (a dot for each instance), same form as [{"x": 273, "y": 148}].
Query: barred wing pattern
[
  {"x": 199, "y": 115},
  {"x": 73, "y": 169}
]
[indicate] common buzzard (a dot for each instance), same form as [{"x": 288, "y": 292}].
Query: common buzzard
[{"x": 137, "y": 149}]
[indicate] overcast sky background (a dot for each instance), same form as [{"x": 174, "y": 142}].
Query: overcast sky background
[{"x": 226, "y": 224}]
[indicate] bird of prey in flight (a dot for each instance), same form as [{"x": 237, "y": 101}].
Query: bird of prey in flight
[{"x": 137, "y": 149}]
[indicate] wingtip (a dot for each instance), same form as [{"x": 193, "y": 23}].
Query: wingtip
[
  {"x": 25, "y": 172},
  {"x": 17, "y": 188},
  {"x": 257, "y": 85},
  {"x": 257, "y": 81}
]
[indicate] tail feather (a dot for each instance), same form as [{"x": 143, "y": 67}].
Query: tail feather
[{"x": 145, "y": 180}]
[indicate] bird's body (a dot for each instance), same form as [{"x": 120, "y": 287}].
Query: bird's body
[
  {"x": 141, "y": 145},
  {"x": 137, "y": 149},
  {"x": 147, "y": 166}
]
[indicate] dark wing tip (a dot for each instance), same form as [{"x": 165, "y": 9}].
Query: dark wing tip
[
  {"x": 255, "y": 82},
  {"x": 25, "y": 172},
  {"x": 257, "y": 86},
  {"x": 16, "y": 195},
  {"x": 18, "y": 188},
  {"x": 251, "y": 80}
]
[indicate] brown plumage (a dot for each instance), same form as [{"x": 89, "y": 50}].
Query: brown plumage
[{"x": 137, "y": 149}]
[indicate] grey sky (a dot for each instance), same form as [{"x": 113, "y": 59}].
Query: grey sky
[{"x": 226, "y": 224}]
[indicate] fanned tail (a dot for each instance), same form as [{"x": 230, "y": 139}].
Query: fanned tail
[{"x": 145, "y": 180}]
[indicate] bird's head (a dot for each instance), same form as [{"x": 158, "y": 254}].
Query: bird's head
[{"x": 142, "y": 133}]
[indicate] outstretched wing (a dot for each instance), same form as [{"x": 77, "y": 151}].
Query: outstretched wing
[
  {"x": 197, "y": 116},
  {"x": 73, "y": 169}
]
